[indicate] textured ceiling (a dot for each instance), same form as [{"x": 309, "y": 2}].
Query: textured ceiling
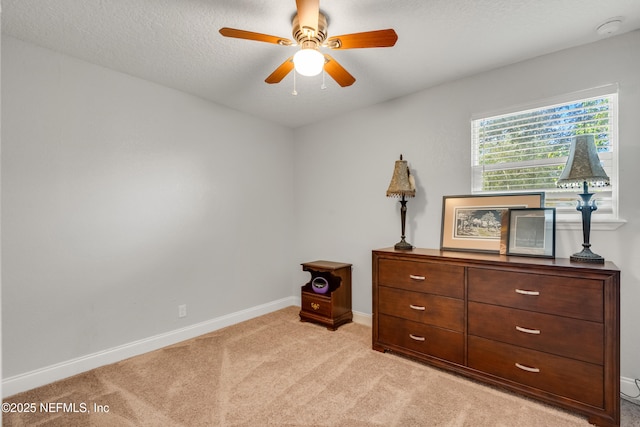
[{"x": 176, "y": 43}]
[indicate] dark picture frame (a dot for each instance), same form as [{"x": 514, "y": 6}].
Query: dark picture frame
[
  {"x": 532, "y": 232},
  {"x": 474, "y": 222}
]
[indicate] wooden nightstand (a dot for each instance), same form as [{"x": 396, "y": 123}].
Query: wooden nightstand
[{"x": 326, "y": 298}]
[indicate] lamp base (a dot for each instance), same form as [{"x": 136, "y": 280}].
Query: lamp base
[
  {"x": 587, "y": 256},
  {"x": 403, "y": 245}
]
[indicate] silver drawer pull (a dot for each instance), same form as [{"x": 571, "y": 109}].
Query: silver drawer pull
[
  {"x": 528, "y": 331},
  {"x": 523, "y": 292},
  {"x": 527, "y": 368},
  {"x": 417, "y": 307},
  {"x": 417, "y": 338},
  {"x": 414, "y": 277}
]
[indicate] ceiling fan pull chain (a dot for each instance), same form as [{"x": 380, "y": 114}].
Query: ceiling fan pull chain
[
  {"x": 324, "y": 86},
  {"x": 295, "y": 92}
]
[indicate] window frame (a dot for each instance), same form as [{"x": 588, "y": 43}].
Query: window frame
[{"x": 568, "y": 217}]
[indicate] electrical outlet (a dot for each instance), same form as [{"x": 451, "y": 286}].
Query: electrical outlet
[{"x": 182, "y": 310}]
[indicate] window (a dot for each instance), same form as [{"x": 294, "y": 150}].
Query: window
[{"x": 526, "y": 150}]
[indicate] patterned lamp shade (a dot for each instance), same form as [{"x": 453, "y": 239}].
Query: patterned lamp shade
[
  {"x": 583, "y": 165},
  {"x": 402, "y": 183}
]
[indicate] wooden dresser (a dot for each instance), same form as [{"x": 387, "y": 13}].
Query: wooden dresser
[{"x": 545, "y": 328}]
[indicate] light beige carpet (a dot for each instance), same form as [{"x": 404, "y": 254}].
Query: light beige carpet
[{"x": 275, "y": 370}]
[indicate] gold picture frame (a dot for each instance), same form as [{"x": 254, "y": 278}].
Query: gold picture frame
[{"x": 474, "y": 223}]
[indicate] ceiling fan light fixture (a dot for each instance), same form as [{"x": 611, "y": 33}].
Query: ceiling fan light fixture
[
  {"x": 309, "y": 31},
  {"x": 308, "y": 62}
]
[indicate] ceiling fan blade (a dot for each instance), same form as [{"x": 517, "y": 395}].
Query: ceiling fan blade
[
  {"x": 280, "y": 72},
  {"x": 379, "y": 38},
  {"x": 308, "y": 12},
  {"x": 259, "y": 37},
  {"x": 337, "y": 72}
]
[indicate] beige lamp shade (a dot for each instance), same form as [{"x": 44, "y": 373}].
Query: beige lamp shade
[{"x": 402, "y": 183}]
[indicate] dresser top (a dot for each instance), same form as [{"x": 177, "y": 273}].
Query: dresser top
[{"x": 498, "y": 259}]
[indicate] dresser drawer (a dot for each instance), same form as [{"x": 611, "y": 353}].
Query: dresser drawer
[
  {"x": 435, "y": 278},
  {"x": 316, "y": 303},
  {"x": 421, "y": 338},
  {"x": 435, "y": 310},
  {"x": 564, "y": 336},
  {"x": 566, "y": 296},
  {"x": 554, "y": 374}
]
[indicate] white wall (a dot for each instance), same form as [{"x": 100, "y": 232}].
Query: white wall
[
  {"x": 122, "y": 199},
  {"x": 344, "y": 166}
]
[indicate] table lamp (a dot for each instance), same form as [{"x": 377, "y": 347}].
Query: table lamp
[
  {"x": 402, "y": 185},
  {"x": 583, "y": 167}
]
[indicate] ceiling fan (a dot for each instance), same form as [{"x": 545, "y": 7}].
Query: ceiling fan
[{"x": 310, "y": 33}]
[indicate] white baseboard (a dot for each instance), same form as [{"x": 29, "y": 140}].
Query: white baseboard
[
  {"x": 628, "y": 386},
  {"x": 49, "y": 374},
  {"x": 362, "y": 318}
]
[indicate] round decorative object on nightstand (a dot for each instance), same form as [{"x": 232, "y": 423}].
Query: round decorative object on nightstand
[{"x": 320, "y": 285}]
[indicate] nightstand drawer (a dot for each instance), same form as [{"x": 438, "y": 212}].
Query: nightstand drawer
[
  {"x": 554, "y": 374},
  {"x": 421, "y": 338},
  {"x": 439, "y": 279},
  {"x": 316, "y": 303},
  {"x": 435, "y": 310},
  {"x": 567, "y": 296},
  {"x": 564, "y": 336}
]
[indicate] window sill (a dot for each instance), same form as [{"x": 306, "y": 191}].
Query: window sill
[{"x": 600, "y": 225}]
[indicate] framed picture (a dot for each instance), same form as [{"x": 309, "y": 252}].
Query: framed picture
[
  {"x": 532, "y": 232},
  {"x": 474, "y": 223}
]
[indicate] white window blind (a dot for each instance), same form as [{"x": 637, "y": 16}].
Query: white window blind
[{"x": 526, "y": 150}]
